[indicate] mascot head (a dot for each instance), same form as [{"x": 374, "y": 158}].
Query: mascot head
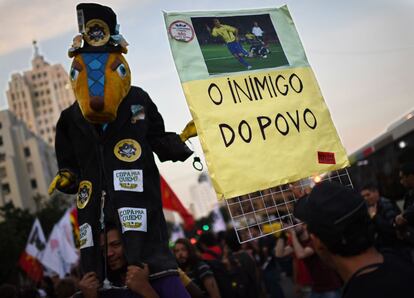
[{"x": 100, "y": 75}]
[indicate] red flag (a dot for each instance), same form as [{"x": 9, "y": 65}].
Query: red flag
[
  {"x": 170, "y": 201},
  {"x": 31, "y": 266}
]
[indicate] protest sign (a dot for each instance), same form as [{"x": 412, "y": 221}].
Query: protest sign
[{"x": 259, "y": 113}]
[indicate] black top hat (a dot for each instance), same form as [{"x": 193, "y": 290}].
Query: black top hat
[{"x": 99, "y": 30}]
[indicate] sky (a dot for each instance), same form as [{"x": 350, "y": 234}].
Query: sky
[{"x": 362, "y": 53}]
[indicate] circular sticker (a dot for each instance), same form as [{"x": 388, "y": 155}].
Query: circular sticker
[
  {"x": 96, "y": 33},
  {"x": 84, "y": 194},
  {"x": 181, "y": 31},
  {"x": 127, "y": 150}
]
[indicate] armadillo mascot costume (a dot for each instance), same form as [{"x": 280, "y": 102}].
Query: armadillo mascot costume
[{"x": 104, "y": 147}]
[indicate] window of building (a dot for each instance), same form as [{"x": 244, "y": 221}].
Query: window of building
[
  {"x": 33, "y": 77},
  {"x": 33, "y": 183},
  {"x": 12, "y": 96},
  {"x": 5, "y": 187},
  {"x": 1, "y": 140},
  {"x": 26, "y": 151},
  {"x": 47, "y": 91},
  {"x": 3, "y": 172},
  {"x": 2, "y": 157},
  {"x": 30, "y": 168},
  {"x": 44, "y": 74},
  {"x": 50, "y": 140},
  {"x": 1, "y": 125},
  {"x": 42, "y": 132},
  {"x": 36, "y": 94}
]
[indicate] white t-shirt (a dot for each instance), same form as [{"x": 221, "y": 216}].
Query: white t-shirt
[{"x": 257, "y": 31}]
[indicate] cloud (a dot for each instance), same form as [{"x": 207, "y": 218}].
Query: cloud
[{"x": 26, "y": 20}]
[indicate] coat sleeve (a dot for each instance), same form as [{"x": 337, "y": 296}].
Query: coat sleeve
[
  {"x": 167, "y": 145},
  {"x": 65, "y": 153}
]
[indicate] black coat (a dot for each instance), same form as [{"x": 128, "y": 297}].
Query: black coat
[{"x": 119, "y": 161}]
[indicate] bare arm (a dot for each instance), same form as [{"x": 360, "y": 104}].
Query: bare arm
[
  {"x": 300, "y": 251},
  {"x": 282, "y": 250},
  {"x": 210, "y": 285}
]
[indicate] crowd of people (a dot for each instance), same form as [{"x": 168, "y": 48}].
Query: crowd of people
[{"x": 350, "y": 244}]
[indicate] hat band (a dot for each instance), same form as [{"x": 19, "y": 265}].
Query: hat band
[{"x": 352, "y": 212}]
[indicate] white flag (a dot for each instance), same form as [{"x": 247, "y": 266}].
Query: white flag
[
  {"x": 66, "y": 226},
  {"x": 176, "y": 232},
  {"x": 218, "y": 221},
  {"x": 59, "y": 255},
  {"x": 37, "y": 241}
]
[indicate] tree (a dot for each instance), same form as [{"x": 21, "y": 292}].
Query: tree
[{"x": 14, "y": 230}]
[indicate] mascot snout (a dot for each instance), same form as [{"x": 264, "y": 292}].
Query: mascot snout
[{"x": 96, "y": 103}]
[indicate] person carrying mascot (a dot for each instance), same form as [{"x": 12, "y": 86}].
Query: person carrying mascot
[{"x": 104, "y": 148}]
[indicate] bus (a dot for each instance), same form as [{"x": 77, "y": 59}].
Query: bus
[{"x": 378, "y": 161}]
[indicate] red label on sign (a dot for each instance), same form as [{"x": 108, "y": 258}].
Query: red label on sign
[{"x": 326, "y": 157}]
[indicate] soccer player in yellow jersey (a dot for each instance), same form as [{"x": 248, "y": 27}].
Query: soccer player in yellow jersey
[{"x": 229, "y": 35}]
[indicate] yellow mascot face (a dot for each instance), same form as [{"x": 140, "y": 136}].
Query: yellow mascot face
[{"x": 100, "y": 82}]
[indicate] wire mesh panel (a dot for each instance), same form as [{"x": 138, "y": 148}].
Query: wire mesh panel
[{"x": 269, "y": 211}]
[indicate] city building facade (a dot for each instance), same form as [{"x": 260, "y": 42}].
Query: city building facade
[
  {"x": 27, "y": 164},
  {"x": 37, "y": 96}
]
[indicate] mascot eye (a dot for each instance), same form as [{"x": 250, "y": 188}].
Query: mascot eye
[
  {"x": 74, "y": 73},
  {"x": 121, "y": 69}
]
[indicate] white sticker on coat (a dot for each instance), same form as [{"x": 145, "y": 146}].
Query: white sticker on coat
[
  {"x": 85, "y": 236},
  {"x": 128, "y": 180},
  {"x": 133, "y": 219}
]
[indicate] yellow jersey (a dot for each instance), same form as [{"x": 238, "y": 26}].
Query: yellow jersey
[{"x": 226, "y": 32}]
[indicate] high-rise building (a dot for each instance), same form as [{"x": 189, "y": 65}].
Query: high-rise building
[
  {"x": 27, "y": 163},
  {"x": 39, "y": 95},
  {"x": 203, "y": 197}
]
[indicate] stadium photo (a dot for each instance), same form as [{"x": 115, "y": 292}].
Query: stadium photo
[{"x": 238, "y": 43}]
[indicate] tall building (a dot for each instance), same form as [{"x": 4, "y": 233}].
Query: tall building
[
  {"x": 39, "y": 95},
  {"x": 203, "y": 197},
  {"x": 27, "y": 163}
]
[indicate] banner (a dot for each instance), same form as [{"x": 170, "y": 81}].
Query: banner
[
  {"x": 29, "y": 259},
  {"x": 256, "y": 104},
  {"x": 170, "y": 201}
]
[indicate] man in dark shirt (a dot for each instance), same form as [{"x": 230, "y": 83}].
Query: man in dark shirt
[
  {"x": 343, "y": 236},
  {"x": 407, "y": 180},
  {"x": 382, "y": 212},
  {"x": 197, "y": 270},
  {"x": 127, "y": 281}
]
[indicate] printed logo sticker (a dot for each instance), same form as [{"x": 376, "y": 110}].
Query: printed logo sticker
[
  {"x": 326, "y": 158},
  {"x": 128, "y": 180},
  {"x": 85, "y": 236},
  {"x": 96, "y": 33},
  {"x": 133, "y": 219},
  {"x": 127, "y": 150},
  {"x": 138, "y": 113},
  {"x": 181, "y": 31},
  {"x": 84, "y": 194}
]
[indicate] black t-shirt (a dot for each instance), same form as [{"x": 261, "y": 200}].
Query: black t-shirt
[
  {"x": 198, "y": 273},
  {"x": 391, "y": 279}
]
